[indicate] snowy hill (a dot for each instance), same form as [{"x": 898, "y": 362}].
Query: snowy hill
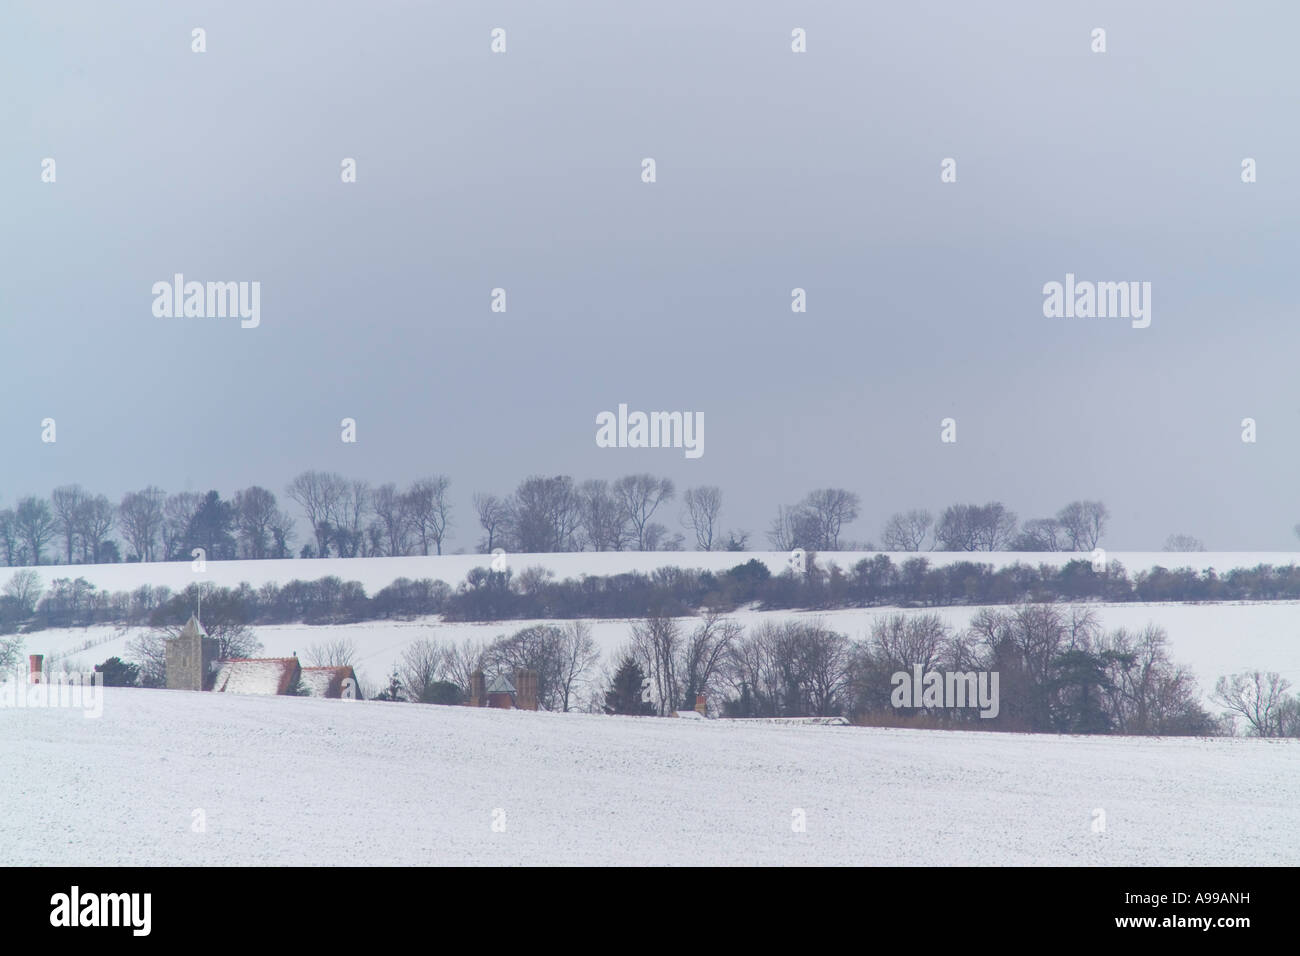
[{"x": 303, "y": 781}]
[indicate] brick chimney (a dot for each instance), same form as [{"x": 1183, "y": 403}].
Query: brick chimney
[
  {"x": 36, "y": 668},
  {"x": 701, "y": 705},
  {"x": 477, "y": 690},
  {"x": 526, "y": 689}
]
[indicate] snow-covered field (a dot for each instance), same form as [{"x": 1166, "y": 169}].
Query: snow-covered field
[{"x": 302, "y": 781}]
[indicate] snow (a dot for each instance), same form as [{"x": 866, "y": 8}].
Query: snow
[
  {"x": 270, "y": 676},
  {"x": 325, "y": 681},
  {"x": 326, "y": 782}
]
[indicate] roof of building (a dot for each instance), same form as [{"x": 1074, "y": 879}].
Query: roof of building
[
  {"x": 327, "y": 681},
  {"x": 501, "y": 685},
  {"x": 193, "y": 628},
  {"x": 270, "y": 675}
]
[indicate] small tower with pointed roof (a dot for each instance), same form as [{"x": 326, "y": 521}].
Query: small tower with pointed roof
[{"x": 190, "y": 658}]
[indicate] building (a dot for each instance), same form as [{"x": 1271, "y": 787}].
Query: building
[
  {"x": 190, "y": 658},
  {"x": 503, "y": 694},
  {"x": 192, "y": 664},
  {"x": 332, "y": 682},
  {"x": 268, "y": 676},
  {"x": 284, "y": 676},
  {"x": 700, "y": 711}
]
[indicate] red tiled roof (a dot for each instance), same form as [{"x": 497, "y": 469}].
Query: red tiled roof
[
  {"x": 266, "y": 675},
  {"x": 327, "y": 681}
]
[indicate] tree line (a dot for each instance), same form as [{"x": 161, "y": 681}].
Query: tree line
[
  {"x": 1059, "y": 672},
  {"x": 488, "y": 595},
  {"x": 352, "y": 518}
]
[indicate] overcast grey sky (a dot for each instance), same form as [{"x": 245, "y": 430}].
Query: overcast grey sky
[{"x": 775, "y": 170}]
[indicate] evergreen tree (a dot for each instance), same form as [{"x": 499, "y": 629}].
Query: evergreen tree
[
  {"x": 118, "y": 673},
  {"x": 1080, "y": 682},
  {"x": 624, "y": 694}
]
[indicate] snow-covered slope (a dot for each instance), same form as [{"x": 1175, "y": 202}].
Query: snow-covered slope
[{"x": 304, "y": 781}]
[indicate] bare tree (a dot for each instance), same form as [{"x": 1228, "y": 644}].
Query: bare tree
[
  {"x": 492, "y": 516},
  {"x": 907, "y": 531},
  {"x": 392, "y": 511},
  {"x": 956, "y": 528},
  {"x": 26, "y": 588},
  {"x": 256, "y": 514},
  {"x": 179, "y": 512},
  {"x": 1147, "y": 693},
  {"x": 896, "y": 644},
  {"x": 430, "y": 511},
  {"x": 658, "y": 538},
  {"x": 95, "y": 522},
  {"x": 545, "y": 515},
  {"x": 282, "y": 534},
  {"x": 10, "y": 540},
  {"x": 789, "y": 529},
  {"x": 1258, "y": 697},
  {"x": 639, "y": 497},
  {"x": 1183, "y": 542},
  {"x": 460, "y": 662},
  {"x": 35, "y": 525},
  {"x": 792, "y": 668},
  {"x": 989, "y": 527},
  {"x": 318, "y": 494},
  {"x": 11, "y": 648},
  {"x": 348, "y": 518},
  {"x": 824, "y": 657},
  {"x": 148, "y": 649},
  {"x": 703, "y": 655},
  {"x": 420, "y": 669},
  {"x": 341, "y": 652},
  {"x": 995, "y": 527},
  {"x": 68, "y": 501},
  {"x": 703, "y": 505},
  {"x": 578, "y": 657},
  {"x": 1041, "y": 534},
  {"x": 1083, "y": 523},
  {"x": 141, "y": 517},
  {"x": 655, "y": 642},
  {"x": 831, "y": 509},
  {"x": 603, "y": 519}
]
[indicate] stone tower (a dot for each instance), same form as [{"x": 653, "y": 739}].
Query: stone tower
[{"x": 190, "y": 656}]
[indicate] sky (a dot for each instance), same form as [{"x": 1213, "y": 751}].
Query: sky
[{"x": 775, "y": 170}]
